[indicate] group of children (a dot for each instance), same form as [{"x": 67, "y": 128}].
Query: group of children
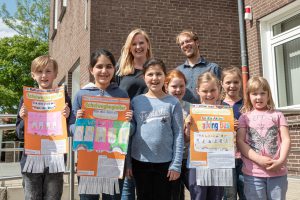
[{"x": 158, "y": 150}]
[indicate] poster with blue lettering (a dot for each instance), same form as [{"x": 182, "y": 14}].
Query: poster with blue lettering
[{"x": 212, "y": 137}]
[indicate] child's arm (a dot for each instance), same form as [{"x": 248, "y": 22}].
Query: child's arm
[
  {"x": 22, "y": 112},
  {"x": 249, "y": 153},
  {"x": 284, "y": 150},
  {"x": 187, "y": 125}
]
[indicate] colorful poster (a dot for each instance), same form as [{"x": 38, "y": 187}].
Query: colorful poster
[
  {"x": 101, "y": 137},
  {"x": 212, "y": 137},
  {"x": 45, "y": 126}
]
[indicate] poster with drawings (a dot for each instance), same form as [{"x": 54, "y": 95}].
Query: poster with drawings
[
  {"x": 45, "y": 126},
  {"x": 212, "y": 137},
  {"x": 105, "y": 146}
]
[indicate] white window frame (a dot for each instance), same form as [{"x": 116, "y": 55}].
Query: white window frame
[{"x": 269, "y": 42}]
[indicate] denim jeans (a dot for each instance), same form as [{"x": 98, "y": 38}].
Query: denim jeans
[
  {"x": 265, "y": 188},
  {"x": 151, "y": 180},
  {"x": 43, "y": 186},
  {"x": 128, "y": 191},
  {"x": 230, "y": 193}
]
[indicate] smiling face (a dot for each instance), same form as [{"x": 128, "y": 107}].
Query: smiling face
[
  {"x": 259, "y": 99},
  {"x": 176, "y": 87},
  {"x": 103, "y": 71},
  {"x": 139, "y": 46},
  {"x": 209, "y": 92},
  {"x": 45, "y": 76},
  {"x": 154, "y": 79},
  {"x": 232, "y": 86},
  {"x": 188, "y": 46}
]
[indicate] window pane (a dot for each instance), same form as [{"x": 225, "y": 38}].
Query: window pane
[
  {"x": 286, "y": 25},
  {"x": 287, "y": 60}
]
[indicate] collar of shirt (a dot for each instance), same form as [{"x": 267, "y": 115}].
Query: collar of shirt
[{"x": 200, "y": 61}]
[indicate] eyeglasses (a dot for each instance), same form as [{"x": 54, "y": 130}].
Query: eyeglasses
[{"x": 189, "y": 41}]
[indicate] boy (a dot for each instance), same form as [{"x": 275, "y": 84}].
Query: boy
[{"x": 42, "y": 185}]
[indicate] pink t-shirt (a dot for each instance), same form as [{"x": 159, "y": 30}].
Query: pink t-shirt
[{"x": 263, "y": 136}]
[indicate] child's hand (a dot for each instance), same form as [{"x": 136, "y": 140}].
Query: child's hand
[
  {"x": 128, "y": 115},
  {"x": 186, "y": 127},
  {"x": 23, "y": 111},
  {"x": 264, "y": 161},
  {"x": 66, "y": 111},
  {"x": 236, "y": 124},
  {"x": 275, "y": 165},
  {"x": 129, "y": 173},
  {"x": 80, "y": 113},
  {"x": 173, "y": 175}
]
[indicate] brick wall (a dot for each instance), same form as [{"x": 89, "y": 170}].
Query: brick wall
[
  {"x": 261, "y": 8},
  {"x": 71, "y": 42},
  {"x": 216, "y": 22}
]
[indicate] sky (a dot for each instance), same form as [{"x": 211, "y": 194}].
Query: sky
[{"x": 11, "y": 7}]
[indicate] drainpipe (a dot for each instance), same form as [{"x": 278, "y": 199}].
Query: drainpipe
[{"x": 244, "y": 55}]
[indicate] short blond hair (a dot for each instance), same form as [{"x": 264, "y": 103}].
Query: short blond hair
[
  {"x": 42, "y": 62},
  {"x": 253, "y": 85},
  {"x": 189, "y": 33}
]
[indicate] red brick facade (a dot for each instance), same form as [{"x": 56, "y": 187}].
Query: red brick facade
[{"x": 109, "y": 23}]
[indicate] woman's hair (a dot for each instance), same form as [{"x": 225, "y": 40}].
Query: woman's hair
[
  {"x": 42, "y": 62},
  {"x": 174, "y": 74},
  {"x": 207, "y": 77},
  {"x": 98, "y": 53},
  {"x": 126, "y": 59},
  {"x": 254, "y": 84}
]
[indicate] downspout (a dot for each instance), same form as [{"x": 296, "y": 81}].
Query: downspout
[{"x": 244, "y": 55}]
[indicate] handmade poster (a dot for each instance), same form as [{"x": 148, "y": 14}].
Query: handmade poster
[
  {"x": 212, "y": 137},
  {"x": 45, "y": 126},
  {"x": 101, "y": 162}
]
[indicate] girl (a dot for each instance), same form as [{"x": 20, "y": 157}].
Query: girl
[
  {"x": 232, "y": 83},
  {"x": 264, "y": 141},
  {"x": 157, "y": 144},
  {"x": 103, "y": 70},
  {"x": 208, "y": 88},
  {"x": 175, "y": 85},
  {"x": 135, "y": 52}
]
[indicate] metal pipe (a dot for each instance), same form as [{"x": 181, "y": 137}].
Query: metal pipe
[
  {"x": 72, "y": 164},
  {"x": 244, "y": 55}
]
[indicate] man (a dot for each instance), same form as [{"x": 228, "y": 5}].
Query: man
[{"x": 195, "y": 64}]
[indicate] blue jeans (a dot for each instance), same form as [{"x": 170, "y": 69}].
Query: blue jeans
[
  {"x": 128, "y": 191},
  {"x": 230, "y": 193},
  {"x": 265, "y": 188},
  {"x": 43, "y": 186}
]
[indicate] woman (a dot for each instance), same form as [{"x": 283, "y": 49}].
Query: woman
[{"x": 135, "y": 52}]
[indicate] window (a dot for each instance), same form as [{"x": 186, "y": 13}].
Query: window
[
  {"x": 55, "y": 19},
  {"x": 280, "y": 43}
]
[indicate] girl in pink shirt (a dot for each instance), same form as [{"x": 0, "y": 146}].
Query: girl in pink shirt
[{"x": 264, "y": 141}]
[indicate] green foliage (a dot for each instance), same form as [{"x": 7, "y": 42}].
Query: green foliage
[
  {"x": 31, "y": 18},
  {"x": 15, "y": 59}
]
